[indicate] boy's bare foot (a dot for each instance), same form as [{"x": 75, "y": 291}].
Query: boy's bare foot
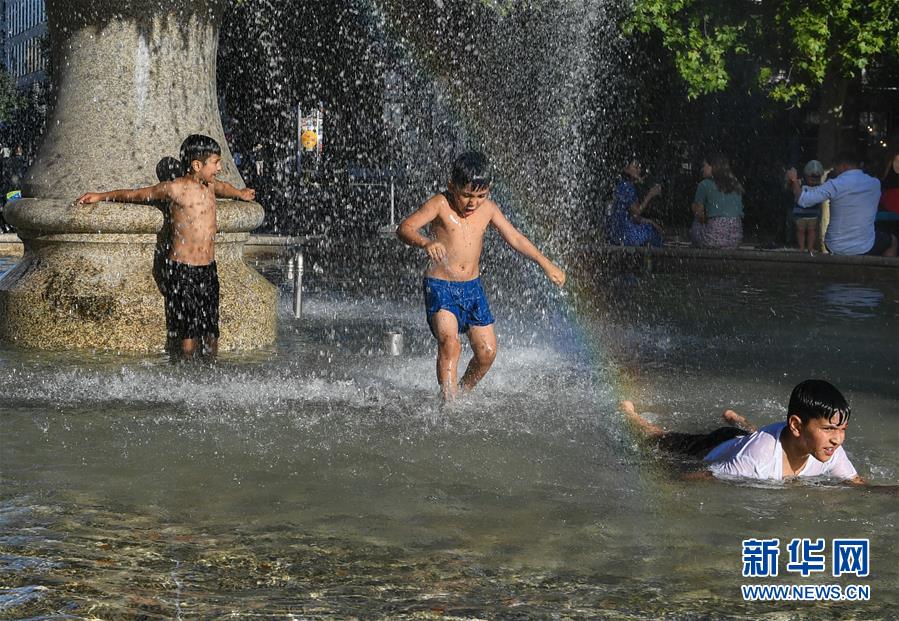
[
  {"x": 646, "y": 427},
  {"x": 736, "y": 420},
  {"x": 448, "y": 393}
]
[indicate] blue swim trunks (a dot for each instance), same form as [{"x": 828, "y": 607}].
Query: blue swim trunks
[{"x": 465, "y": 300}]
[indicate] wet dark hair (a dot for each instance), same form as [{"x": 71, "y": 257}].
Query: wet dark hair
[
  {"x": 197, "y": 147},
  {"x": 630, "y": 160},
  {"x": 816, "y": 398},
  {"x": 722, "y": 175},
  {"x": 168, "y": 169},
  {"x": 472, "y": 168}
]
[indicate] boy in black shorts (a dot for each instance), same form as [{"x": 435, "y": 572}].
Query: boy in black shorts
[{"x": 191, "y": 284}]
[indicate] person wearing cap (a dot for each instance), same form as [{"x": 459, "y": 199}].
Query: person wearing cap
[
  {"x": 853, "y": 199},
  {"x": 806, "y": 219}
]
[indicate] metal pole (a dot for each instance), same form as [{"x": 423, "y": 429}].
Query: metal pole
[
  {"x": 393, "y": 343},
  {"x": 392, "y": 218},
  {"x": 298, "y": 282},
  {"x": 299, "y": 137}
]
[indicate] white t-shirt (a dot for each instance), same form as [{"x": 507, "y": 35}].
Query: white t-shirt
[{"x": 760, "y": 456}]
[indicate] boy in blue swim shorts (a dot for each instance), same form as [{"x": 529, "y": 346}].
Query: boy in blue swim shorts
[{"x": 454, "y": 298}]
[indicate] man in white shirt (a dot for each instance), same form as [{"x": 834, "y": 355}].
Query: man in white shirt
[
  {"x": 808, "y": 444},
  {"x": 853, "y": 199}
]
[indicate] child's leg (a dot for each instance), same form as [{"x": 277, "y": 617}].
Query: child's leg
[
  {"x": 483, "y": 344},
  {"x": 188, "y": 348},
  {"x": 210, "y": 346},
  {"x": 800, "y": 233},
  {"x": 449, "y": 348},
  {"x": 643, "y": 425},
  {"x": 736, "y": 420},
  {"x": 812, "y": 234}
]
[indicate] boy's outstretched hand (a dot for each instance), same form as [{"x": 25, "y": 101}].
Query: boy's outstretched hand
[
  {"x": 247, "y": 194},
  {"x": 90, "y": 197},
  {"x": 555, "y": 274}
]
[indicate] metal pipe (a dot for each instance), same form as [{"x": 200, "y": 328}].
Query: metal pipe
[
  {"x": 297, "y": 262},
  {"x": 393, "y": 343},
  {"x": 392, "y": 218}
]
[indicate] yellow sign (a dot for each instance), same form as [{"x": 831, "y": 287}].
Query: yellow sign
[{"x": 309, "y": 139}]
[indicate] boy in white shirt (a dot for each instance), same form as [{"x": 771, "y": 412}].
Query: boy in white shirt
[{"x": 808, "y": 444}]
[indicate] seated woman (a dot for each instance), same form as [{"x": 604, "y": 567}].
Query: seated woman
[
  {"x": 625, "y": 226},
  {"x": 717, "y": 207}
]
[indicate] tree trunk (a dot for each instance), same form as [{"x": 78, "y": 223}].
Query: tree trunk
[{"x": 830, "y": 114}]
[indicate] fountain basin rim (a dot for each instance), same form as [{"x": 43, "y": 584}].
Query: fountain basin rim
[
  {"x": 42, "y": 216},
  {"x": 116, "y": 238}
]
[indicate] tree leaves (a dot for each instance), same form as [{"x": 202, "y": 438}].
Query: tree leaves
[{"x": 796, "y": 41}]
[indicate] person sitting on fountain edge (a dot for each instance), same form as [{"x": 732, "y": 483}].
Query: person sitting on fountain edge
[
  {"x": 453, "y": 296},
  {"x": 192, "y": 291},
  {"x": 808, "y": 444}
]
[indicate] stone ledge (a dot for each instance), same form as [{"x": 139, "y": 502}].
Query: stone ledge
[
  {"x": 742, "y": 260},
  {"x": 670, "y": 256},
  {"x": 11, "y": 245},
  {"x": 40, "y": 216}
]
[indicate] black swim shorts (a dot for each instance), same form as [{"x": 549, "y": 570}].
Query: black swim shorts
[
  {"x": 697, "y": 444},
  {"x": 192, "y": 300}
]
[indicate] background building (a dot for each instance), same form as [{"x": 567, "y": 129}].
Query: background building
[{"x": 24, "y": 33}]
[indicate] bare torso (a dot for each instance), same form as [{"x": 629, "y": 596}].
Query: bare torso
[
  {"x": 463, "y": 239},
  {"x": 194, "y": 222}
]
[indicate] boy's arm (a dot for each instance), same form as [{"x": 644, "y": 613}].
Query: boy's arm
[
  {"x": 158, "y": 192},
  {"x": 408, "y": 230},
  {"x": 223, "y": 189},
  {"x": 523, "y": 245}
]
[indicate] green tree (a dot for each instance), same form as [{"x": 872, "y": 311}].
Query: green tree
[
  {"x": 800, "y": 48},
  {"x": 10, "y": 99}
]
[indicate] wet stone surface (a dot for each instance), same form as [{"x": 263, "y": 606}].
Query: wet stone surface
[{"x": 115, "y": 565}]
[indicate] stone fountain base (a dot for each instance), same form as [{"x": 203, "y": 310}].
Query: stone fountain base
[{"x": 86, "y": 279}]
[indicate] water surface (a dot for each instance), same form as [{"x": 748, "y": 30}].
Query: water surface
[{"x": 323, "y": 479}]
